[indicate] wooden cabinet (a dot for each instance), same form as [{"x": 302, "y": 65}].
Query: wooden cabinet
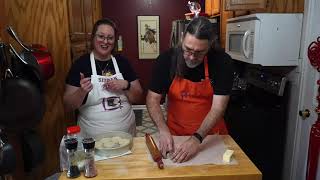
[
  {"x": 284, "y": 6},
  {"x": 224, "y": 15},
  {"x": 82, "y": 15},
  {"x": 212, "y": 7},
  {"x": 245, "y": 4},
  {"x": 268, "y": 6}
]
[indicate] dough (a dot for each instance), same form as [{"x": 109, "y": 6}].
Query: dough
[
  {"x": 116, "y": 139},
  {"x": 112, "y": 142},
  {"x": 99, "y": 144},
  {"x": 124, "y": 142}
]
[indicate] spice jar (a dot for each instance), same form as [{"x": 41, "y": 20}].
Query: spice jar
[
  {"x": 90, "y": 169},
  {"x": 73, "y": 132},
  {"x": 73, "y": 170}
]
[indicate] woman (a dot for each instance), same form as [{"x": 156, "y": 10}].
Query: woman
[{"x": 102, "y": 86}]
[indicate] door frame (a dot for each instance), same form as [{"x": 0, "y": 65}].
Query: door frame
[{"x": 297, "y": 166}]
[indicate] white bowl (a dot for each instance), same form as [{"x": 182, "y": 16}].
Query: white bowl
[{"x": 113, "y": 148}]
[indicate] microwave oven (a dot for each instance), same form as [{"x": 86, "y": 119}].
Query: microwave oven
[{"x": 267, "y": 39}]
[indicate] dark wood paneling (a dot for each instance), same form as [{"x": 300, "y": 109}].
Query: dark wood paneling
[
  {"x": 3, "y": 21},
  {"x": 82, "y": 15},
  {"x": 125, "y": 13},
  {"x": 46, "y": 22},
  {"x": 285, "y": 6}
]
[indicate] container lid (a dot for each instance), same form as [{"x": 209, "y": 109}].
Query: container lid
[
  {"x": 88, "y": 143},
  {"x": 71, "y": 144},
  {"x": 73, "y": 129}
]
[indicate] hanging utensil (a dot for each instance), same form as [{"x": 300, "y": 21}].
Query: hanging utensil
[
  {"x": 17, "y": 55},
  {"x": 21, "y": 101},
  {"x": 7, "y": 156},
  {"x": 37, "y": 55},
  {"x": 14, "y": 36},
  {"x": 26, "y": 67}
]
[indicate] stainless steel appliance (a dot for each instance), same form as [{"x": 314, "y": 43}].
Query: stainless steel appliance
[{"x": 268, "y": 39}]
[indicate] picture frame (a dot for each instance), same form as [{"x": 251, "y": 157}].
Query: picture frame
[{"x": 148, "y": 36}]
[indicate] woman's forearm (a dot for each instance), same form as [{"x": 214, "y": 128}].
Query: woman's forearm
[
  {"x": 73, "y": 98},
  {"x": 135, "y": 92}
]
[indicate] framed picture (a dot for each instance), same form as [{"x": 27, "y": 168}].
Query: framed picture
[{"x": 148, "y": 36}]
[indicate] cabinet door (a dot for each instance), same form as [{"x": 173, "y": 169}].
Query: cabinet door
[
  {"x": 82, "y": 15},
  {"x": 224, "y": 15},
  {"x": 245, "y": 4},
  {"x": 212, "y": 7}
]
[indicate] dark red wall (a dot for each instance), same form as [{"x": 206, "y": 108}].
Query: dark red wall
[{"x": 125, "y": 12}]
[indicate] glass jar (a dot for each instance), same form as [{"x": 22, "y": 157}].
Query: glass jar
[
  {"x": 73, "y": 132},
  {"x": 73, "y": 170},
  {"x": 90, "y": 169}
]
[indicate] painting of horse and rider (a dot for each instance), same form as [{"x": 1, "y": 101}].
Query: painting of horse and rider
[{"x": 148, "y": 37}]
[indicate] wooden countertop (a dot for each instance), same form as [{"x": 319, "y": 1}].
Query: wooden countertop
[{"x": 139, "y": 166}]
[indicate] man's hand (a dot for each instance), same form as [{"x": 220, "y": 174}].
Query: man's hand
[
  {"x": 186, "y": 150},
  {"x": 165, "y": 143},
  {"x": 85, "y": 84}
]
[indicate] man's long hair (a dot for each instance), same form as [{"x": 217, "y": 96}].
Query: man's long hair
[{"x": 199, "y": 27}]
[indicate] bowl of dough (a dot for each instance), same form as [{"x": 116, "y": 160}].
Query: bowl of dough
[{"x": 113, "y": 143}]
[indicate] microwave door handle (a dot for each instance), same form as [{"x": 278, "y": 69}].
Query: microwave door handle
[{"x": 244, "y": 40}]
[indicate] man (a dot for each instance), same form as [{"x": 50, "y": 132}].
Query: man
[{"x": 197, "y": 81}]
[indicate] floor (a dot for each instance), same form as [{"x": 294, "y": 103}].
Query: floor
[{"x": 146, "y": 125}]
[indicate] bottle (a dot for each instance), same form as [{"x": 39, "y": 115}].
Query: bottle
[
  {"x": 71, "y": 146},
  {"x": 90, "y": 169},
  {"x": 73, "y": 132},
  {"x": 120, "y": 45}
]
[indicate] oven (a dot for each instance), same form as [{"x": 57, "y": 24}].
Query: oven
[{"x": 256, "y": 119}]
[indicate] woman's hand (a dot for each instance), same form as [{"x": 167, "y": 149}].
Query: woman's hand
[
  {"x": 116, "y": 85},
  {"x": 186, "y": 150},
  {"x": 85, "y": 84}
]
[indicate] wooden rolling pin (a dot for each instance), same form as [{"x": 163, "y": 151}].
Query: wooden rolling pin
[{"x": 154, "y": 151}]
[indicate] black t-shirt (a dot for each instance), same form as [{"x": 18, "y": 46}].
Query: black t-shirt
[
  {"x": 83, "y": 65},
  {"x": 220, "y": 72}
]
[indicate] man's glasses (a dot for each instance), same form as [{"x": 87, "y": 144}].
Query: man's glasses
[
  {"x": 101, "y": 37},
  {"x": 190, "y": 52}
]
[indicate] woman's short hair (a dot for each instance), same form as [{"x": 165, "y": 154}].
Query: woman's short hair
[{"x": 104, "y": 21}]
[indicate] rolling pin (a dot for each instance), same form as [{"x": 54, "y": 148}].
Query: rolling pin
[{"x": 154, "y": 151}]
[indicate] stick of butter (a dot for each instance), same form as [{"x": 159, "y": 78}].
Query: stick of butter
[{"x": 227, "y": 156}]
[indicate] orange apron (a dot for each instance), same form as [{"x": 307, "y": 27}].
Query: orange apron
[{"x": 189, "y": 103}]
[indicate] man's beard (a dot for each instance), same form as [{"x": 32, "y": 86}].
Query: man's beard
[{"x": 192, "y": 64}]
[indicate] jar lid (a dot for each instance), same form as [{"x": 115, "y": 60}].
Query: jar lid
[
  {"x": 88, "y": 143},
  {"x": 73, "y": 129}
]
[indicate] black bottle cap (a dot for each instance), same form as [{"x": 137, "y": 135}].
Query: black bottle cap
[
  {"x": 88, "y": 143},
  {"x": 71, "y": 144}
]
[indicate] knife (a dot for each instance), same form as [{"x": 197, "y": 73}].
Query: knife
[{"x": 154, "y": 151}]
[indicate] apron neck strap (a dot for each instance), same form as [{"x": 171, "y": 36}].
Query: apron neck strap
[
  {"x": 93, "y": 64},
  {"x": 206, "y": 68}
]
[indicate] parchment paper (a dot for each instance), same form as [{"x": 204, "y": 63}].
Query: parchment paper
[{"x": 211, "y": 151}]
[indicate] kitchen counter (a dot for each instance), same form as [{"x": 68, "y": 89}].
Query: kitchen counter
[{"x": 138, "y": 165}]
